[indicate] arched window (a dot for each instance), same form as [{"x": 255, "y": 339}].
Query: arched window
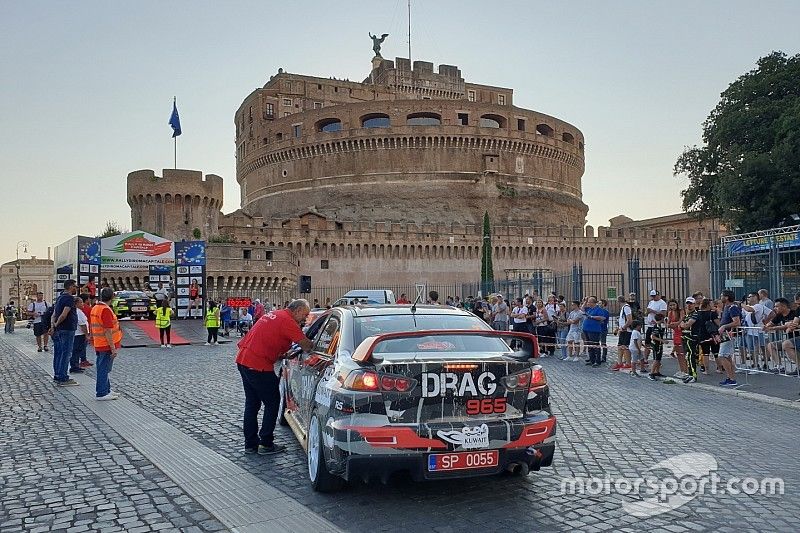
[
  {"x": 375, "y": 120},
  {"x": 424, "y": 119},
  {"x": 329, "y": 125},
  {"x": 492, "y": 121},
  {"x": 567, "y": 138},
  {"x": 544, "y": 129}
]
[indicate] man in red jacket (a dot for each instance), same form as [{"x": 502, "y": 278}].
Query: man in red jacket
[{"x": 265, "y": 344}]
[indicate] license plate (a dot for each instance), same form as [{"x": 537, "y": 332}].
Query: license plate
[
  {"x": 443, "y": 462},
  {"x": 138, "y": 309}
]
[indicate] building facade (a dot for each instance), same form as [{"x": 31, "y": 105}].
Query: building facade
[
  {"x": 386, "y": 181},
  {"x": 34, "y": 275}
]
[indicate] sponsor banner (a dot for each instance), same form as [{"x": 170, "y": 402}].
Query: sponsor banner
[
  {"x": 760, "y": 244},
  {"x": 136, "y": 251},
  {"x": 190, "y": 267}
]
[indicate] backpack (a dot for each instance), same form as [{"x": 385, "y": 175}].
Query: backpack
[{"x": 47, "y": 316}]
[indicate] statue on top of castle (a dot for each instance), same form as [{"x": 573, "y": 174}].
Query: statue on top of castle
[{"x": 376, "y": 43}]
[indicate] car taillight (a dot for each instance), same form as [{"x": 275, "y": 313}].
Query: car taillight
[
  {"x": 538, "y": 379},
  {"x": 369, "y": 380},
  {"x": 395, "y": 383},
  {"x": 526, "y": 379},
  {"x": 363, "y": 380}
]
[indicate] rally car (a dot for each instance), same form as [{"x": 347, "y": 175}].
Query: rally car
[
  {"x": 134, "y": 304},
  {"x": 428, "y": 390}
]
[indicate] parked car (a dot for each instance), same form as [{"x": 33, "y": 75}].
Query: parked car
[
  {"x": 134, "y": 304},
  {"x": 366, "y": 296},
  {"x": 432, "y": 391}
]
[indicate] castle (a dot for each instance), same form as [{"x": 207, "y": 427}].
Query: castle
[{"x": 385, "y": 182}]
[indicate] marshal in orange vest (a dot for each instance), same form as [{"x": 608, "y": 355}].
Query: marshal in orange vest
[{"x": 99, "y": 340}]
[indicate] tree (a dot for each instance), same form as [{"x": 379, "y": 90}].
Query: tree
[
  {"x": 748, "y": 171},
  {"x": 112, "y": 228},
  {"x": 487, "y": 270}
]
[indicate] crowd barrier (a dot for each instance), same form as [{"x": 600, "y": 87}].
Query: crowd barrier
[{"x": 759, "y": 351}]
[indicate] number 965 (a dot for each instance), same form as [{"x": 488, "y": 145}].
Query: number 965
[{"x": 486, "y": 406}]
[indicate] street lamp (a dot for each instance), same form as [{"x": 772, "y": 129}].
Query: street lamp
[{"x": 24, "y": 245}]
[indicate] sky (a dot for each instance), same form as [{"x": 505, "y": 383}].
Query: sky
[{"x": 86, "y": 87}]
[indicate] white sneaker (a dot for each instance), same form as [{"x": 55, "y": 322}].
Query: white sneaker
[
  {"x": 169, "y": 346},
  {"x": 107, "y": 397},
  {"x": 163, "y": 345},
  {"x": 207, "y": 344},
  {"x": 575, "y": 359}
]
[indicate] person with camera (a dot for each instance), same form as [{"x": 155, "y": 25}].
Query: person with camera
[
  {"x": 36, "y": 310},
  {"x": 259, "y": 351}
]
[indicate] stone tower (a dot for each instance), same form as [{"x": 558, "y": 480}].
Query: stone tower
[{"x": 181, "y": 205}]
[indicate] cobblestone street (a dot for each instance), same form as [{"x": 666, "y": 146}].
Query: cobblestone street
[{"x": 61, "y": 467}]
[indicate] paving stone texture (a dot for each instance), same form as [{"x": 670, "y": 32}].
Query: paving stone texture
[{"x": 609, "y": 425}]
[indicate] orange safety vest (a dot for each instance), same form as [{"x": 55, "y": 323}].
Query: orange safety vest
[{"x": 98, "y": 330}]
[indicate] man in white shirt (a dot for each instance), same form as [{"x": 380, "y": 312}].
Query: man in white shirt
[
  {"x": 656, "y": 306},
  {"x": 754, "y": 328},
  {"x": 81, "y": 334},
  {"x": 245, "y": 321},
  {"x": 36, "y": 309},
  {"x": 624, "y": 334},
  {"x": 519, "y": 314}
]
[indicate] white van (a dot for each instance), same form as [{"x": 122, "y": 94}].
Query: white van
[{"x": 366, "y": 296}]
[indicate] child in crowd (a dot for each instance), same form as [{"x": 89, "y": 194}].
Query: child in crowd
[
  {"x": 658, "y": 336},
  {"x": 635, "y": 346}
]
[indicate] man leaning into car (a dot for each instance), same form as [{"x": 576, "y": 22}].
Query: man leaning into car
[{"x": 268, "y": 341}]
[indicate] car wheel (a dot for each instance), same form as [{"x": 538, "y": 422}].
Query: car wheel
[{"x": 321, "y": 479}]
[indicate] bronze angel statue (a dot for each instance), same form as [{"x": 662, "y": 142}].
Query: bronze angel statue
[{"x": 376, "y": 43}]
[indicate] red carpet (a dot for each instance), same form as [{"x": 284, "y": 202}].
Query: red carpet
[{"x": 150, "y": 329}]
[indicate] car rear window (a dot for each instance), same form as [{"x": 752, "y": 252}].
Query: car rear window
[{"x": 369, "y": 326}]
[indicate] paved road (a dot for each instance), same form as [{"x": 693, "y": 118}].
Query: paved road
[
  {"x": 62, "y": 468},
  {"x": 609, "y": 424}
]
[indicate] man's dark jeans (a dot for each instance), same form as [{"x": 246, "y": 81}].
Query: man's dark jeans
[
  {"x": 593, "y": 342},
  {"x": 259, "y": 387},
  {"x": 63, "y": 340}
]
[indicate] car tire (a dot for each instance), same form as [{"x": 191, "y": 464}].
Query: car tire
[{"x": 321, "y": 479}]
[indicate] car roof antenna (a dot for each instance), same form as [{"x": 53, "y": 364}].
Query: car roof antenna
[{"x": 416, "y": 301}]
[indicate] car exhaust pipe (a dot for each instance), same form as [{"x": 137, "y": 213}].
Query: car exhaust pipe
[{"x": 513, "y": 468}]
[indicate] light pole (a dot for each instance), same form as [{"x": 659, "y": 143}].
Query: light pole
[{"x": 24, "y": 245}]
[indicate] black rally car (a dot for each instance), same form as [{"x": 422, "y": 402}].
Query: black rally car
[{"x": 430, "y": 390}]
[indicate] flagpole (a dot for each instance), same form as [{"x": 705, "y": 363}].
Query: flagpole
[{"x": 175, "y": 138}]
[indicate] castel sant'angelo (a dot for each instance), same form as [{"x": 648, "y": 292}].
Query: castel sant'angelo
[{"x": 385, "y": 182}]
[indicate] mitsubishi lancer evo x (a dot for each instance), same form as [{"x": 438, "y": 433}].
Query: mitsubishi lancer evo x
[{"x": 429, "y": 390}]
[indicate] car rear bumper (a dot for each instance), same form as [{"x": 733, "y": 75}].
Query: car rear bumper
[{"x": 416, "y": 464}]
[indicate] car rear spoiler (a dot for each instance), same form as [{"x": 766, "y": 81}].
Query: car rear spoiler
[{"x": 529, "y": 348}]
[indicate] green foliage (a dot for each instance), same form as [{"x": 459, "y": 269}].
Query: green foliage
[
  {"x": 222, "y": 239},
  {"x": 196, "y": 233},
  {"x": 748, "y": 171},
  {"x": 112, "y": 229},
  {"x": 487, "y": 269}
]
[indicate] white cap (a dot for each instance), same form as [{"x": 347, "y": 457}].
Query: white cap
[
  {"x": 654, "y": 293},
  {"x": 690, "y": 300}
]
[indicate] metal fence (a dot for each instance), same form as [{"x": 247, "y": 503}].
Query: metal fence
[
  {"x": 768, "y": 259},
  {"x": 573, "y": 284}
]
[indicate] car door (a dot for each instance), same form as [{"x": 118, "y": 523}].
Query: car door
[
  {"x": 295, "y": 396},
  {"x": 314, "y": 365}
]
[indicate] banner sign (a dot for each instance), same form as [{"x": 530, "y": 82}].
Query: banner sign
[
  {"x": 160, "y": 274},
  {"x": 136, "y": 251},
  {"x": 190, "y": 267},
  {"x": 238, "y": 302},
  {"x": 88, "y": 260},
  {"x": 762, "y": 244}
]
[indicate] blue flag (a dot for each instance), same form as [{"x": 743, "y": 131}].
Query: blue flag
[{"x": 174, "y": 120}]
